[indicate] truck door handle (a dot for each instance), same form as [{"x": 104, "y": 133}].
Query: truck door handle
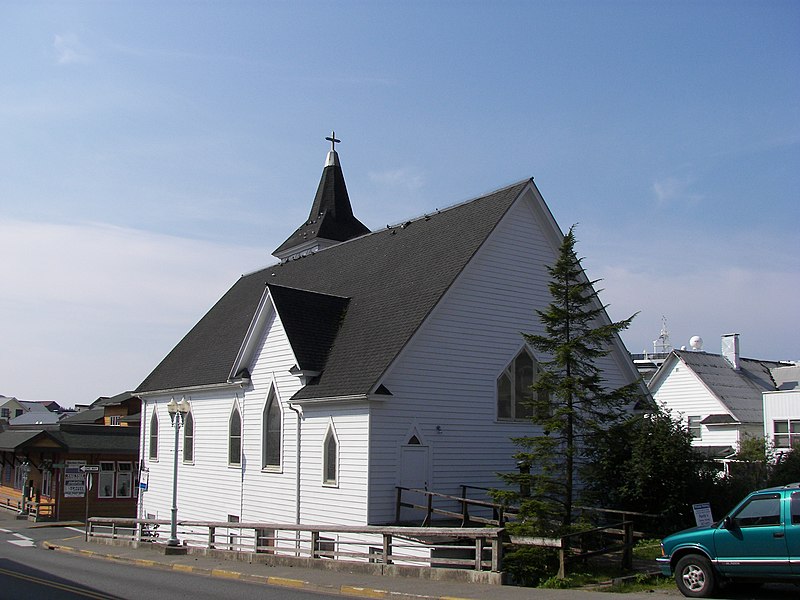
[{"x": 777, "y": 535}]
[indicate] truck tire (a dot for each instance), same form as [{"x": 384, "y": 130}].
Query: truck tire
[{"x": 695, "y": 577}]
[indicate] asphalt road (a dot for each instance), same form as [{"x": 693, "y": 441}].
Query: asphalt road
[{"x": 28, "y": 571}]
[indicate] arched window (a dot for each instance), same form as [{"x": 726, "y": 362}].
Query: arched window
[
  {"x": 271, "y": 435},
  {"x": 330, "y": 458},
  {"x": 188, "y": 438},
  {"x": 515, "y": 400},
  {"x": 235, "y": 437},
  {"x": 154, "y": 435}
]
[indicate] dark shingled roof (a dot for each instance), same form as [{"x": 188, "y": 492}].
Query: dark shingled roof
[
  {"x": 716, "y": 451},
  {"x": 721, "y": 419},
  {"x": 391, "y": 279},
  {"x": 311, "y": 321},
  {"x": 206, "y": 354},
  {"x": 740, "y": 390},
  {"x": 76, "y": 438},
  {"x": 90, "y": 415},
  {"x": 121, "y": 440},
  {"x": 331, "y": 216},
  {"x": 13, "y": 440}
]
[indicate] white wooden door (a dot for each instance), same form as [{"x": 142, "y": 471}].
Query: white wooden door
[{"x": 414, "y": 470}]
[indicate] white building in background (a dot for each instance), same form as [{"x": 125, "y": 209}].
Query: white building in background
[
  {"x": 719, "y": 397},
  {"x": 782, "y": 409},
  {"x": 360, "y": 362}
]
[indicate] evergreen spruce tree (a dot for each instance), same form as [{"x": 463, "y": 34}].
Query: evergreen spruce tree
[{"x": 570, "y": 399}]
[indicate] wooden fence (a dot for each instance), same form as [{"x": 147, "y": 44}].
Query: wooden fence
[
  {"x": 577, "y": 547},
  {"x": 614, "y": 533},
  {"x": 465, "y": 513},
  {"x": 476, "y": 549}
]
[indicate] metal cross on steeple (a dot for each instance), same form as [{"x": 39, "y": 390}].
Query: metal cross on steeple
[{"x": 333, "y": 141}]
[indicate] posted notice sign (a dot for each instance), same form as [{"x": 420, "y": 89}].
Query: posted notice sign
[
  {"x": 702, "y": 514},
  {"x": 74, "y": 479}
]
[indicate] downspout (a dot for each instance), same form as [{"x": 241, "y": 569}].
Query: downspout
[
  {"x": 299, "y": 412},
  {"x": 243, "y": 465},
  {"x": 142, "y": 441}
]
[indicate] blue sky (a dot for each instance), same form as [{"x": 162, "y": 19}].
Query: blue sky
[{"x": 151, "y": 152}]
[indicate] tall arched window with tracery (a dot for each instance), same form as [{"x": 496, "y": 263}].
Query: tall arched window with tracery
[
  {"x": 330, "y": 458},
  {"x": 235, "y": 437},
  {"x": 188, "y": 438},
  {"x": 271, "y": 435},
  {"x": 515, "y": 398},
  {"x": 154, "y": 435}
]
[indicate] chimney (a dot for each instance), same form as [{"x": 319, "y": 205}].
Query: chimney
[{"x": 730, "y": 349}]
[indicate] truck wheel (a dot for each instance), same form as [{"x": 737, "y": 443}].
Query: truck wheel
[{"x": 694, "y": 576}]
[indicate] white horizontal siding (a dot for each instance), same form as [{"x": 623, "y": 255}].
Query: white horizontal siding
[
  {"x": 270, "y": 495},
  {"x": 447, "y": 375},
  {"x": 783, "y": 405},
  {"x": 684, "y": 395},
  {"x": 210, "y": 488},
  {"x": 345, "y": 503}
]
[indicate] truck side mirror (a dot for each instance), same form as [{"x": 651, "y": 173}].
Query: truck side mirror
[{"x": 729, "y": 523}]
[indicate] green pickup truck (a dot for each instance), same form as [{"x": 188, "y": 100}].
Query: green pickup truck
[{"x": 759, "y": 541}]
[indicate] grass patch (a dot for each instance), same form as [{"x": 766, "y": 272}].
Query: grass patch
[
  {"x": 643, "y": 583},
  {"x": 647, "y": 549}
]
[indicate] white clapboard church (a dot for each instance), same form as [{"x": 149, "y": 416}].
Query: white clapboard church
[{"x": 358, "y": 362}]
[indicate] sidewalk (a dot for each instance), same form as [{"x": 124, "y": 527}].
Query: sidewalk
[{"x": 342, "y": 582}]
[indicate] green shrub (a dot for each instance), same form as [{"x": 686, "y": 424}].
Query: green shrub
[{"x": 530, "y": 566}]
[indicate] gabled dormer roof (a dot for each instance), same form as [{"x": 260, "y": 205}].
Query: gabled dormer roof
[
  {"x": 372, "y": 293},
  {"x": 311, "y": 321},
  {"x": 331, "y": 219}
]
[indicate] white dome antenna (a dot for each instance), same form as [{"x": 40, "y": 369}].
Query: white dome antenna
[{"x": 696, "y": 343}]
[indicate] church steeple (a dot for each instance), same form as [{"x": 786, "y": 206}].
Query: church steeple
[{"x": 331, "y": 218}]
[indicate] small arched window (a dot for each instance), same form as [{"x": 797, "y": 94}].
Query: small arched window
[
  {"x": 330, "y": 458},
  {"x": 271, "y": 443},
  {"x": 154, "y": 435},
  {"x": 188, "y": 438},
  {"x": 235, "y": 437}
]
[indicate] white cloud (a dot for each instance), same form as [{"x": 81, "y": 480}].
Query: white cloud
[
  {"x": 709, "y": 302},
  {"x": 89, "y": 309},
  {"x": 69, "y": 49},
  {"x": 673, "y": 189},
  {"x": 408, "y": 178}
]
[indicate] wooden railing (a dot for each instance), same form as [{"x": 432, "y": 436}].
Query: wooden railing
[
  {"x": 463, "y": 515},
  {"x": 606, "y": 538},
  {"x": 586, "y": 544},
  {"x": 475, "y": 549},
  {"x": 11, "y": 498},
  {"x": 42, "y": 510}
]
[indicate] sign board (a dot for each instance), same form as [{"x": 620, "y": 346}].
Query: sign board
[
  {"x": 90, "y": 468},
  {"x": 74, "y": 479},
  {"x": 702, "y": 514},
  {"x": 144, "y": 478}
]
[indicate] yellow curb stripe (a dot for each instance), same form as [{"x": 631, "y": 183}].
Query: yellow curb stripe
[
  {"x": 225, "y": 574},
  {"x": 184, "y": 568},
  {"x": 144, "y": 563},
  {"x": 286, "y": 582},
  {"x": 362, "y": 592}
]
